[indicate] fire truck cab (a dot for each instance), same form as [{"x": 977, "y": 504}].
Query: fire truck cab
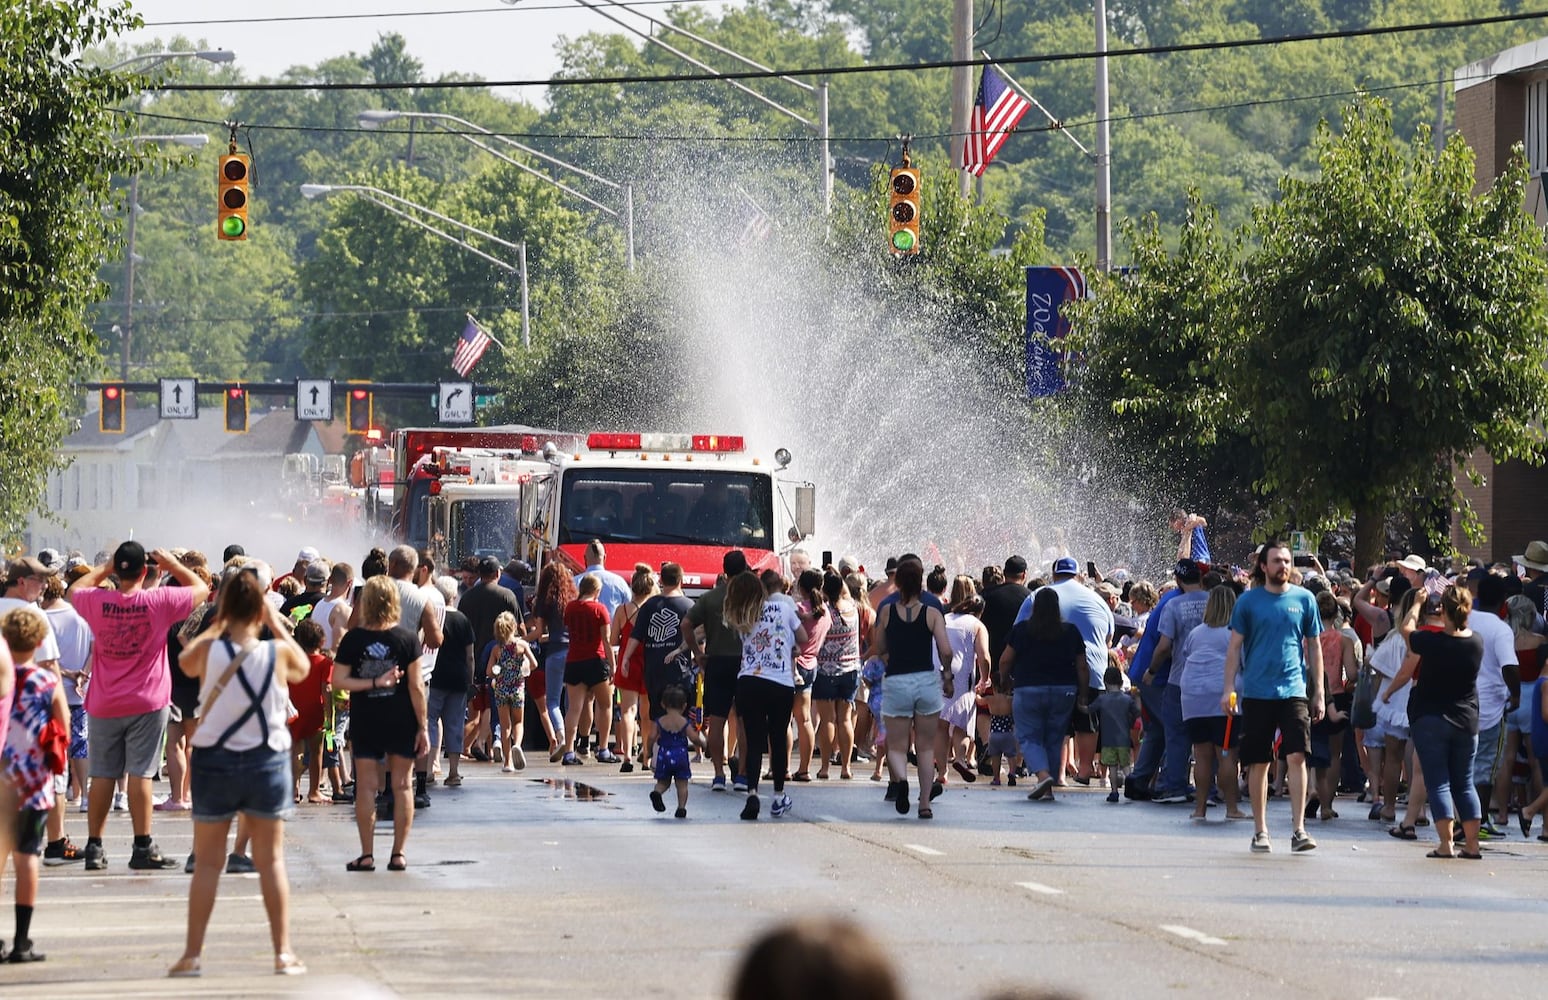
[{"x": 649, "y": 498}]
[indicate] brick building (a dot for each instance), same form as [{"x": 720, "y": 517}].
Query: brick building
[{"x": 1503, "y": 100}]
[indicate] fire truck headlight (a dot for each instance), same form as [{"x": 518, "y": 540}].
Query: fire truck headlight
[{"x": 782, "y": 457}]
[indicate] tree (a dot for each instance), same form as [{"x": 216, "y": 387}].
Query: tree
[
  {"x": 1392, "y": 323},
  {"x": 58, "y": 150}
]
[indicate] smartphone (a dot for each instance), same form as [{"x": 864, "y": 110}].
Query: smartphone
[
  {"x": 1091, "y": 570},
  {"x": 827, "y": 558}
]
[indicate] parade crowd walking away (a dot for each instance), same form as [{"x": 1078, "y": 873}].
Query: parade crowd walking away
[{"x": 1403, "y": 694}]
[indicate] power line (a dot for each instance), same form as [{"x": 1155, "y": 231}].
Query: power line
[
  {"x": 829, "y": 71},
  {"x": 803, "y": 138},
  {"x": 199, "y": 22}
]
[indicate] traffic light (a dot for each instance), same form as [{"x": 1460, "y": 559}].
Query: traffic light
[
  {"x": 236, "y": 410},
  {"x": 903, "y": 209},
  {"x": 232, "y": 176},
  {"x": 358, "y": 405},
  {"x": 110, "y": 413}
]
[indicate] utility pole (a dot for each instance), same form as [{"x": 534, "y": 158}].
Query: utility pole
[
  {"x": 127, "y": 336},
  {"x": 1104, "y": 160},
  {"x": 961, "y": 88}
]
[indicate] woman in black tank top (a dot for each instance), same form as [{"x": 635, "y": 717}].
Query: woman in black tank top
[{"x": 912, "y": 689}]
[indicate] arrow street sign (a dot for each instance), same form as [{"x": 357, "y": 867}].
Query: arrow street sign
[
  {"x": 456, "y": 402},
  {"x": 179, "y": 399},
  {"x": 314, "y": 399}
]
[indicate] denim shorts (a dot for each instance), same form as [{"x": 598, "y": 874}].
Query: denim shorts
[
  {"x": 836, "y": 687},
  {"x": 257, "y": 783},
  {"x": 77, "y": 732},
  {"x": 1490, "y": 742},
  {"x": 907, "y": 695}
]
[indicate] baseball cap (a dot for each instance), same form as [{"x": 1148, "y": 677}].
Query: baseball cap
[
  {"x": 1107, "y": 588},
  {"x": 308, "y": 555},
  {"x": 1187, "y": 571},
  {"x": 489, "y": 566},
  {"x": 129, "y": 561},
  {"x": 1065, "y": 566},
  {"x": 316, "y": 571},
  {"x": 1384, "y": 585},
  {"x": 1119, "y": 575},
  {"x": 51, "y": 559},
  {"x": 1015, "y": 566},
  {"x": 734, "y": 562}
]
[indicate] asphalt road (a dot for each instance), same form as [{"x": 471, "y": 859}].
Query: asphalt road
[{"x": 531, "y": 885}]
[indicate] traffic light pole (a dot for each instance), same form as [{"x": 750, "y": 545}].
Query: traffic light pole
[
  {"x": 128, "y": 331},
  {"x": 287, "y": 390}
]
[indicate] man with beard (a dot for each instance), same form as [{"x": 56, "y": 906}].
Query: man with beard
[{"x": 1274, "y": 631}]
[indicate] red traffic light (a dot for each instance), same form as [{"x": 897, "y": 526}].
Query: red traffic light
[
  {"x": 111, "y": 392},
  {"x": 359, "y": 393},
  {"x": 236, "y": 393}
]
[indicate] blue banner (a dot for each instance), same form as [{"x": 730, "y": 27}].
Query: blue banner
[{"x": 1048, "y": 289}]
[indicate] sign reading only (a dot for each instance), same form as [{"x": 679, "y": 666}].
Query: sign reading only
[{"x": 314, "y": 399}]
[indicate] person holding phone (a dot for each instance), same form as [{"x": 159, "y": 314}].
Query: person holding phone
[{"x": 378, "y": 664}]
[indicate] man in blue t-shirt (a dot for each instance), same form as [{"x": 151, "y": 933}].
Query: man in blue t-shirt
[
  {"x": 1192, "y": 544},
  {"x": 1172, "y": 623},
  {"x": 1274, "y": 631}
]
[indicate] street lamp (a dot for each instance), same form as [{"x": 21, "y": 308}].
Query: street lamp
[
  {"x": 373, "y": 118},
  {"x": 390, "y": 202},
  {"x": 194, "y": 140},
  {"x": 157, "y": 58}
]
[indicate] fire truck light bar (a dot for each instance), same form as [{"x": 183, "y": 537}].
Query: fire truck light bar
[{"x": 664, "y": 442}]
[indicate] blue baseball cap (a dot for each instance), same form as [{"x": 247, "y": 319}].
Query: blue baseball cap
[{"x": 1065, "y": 566}]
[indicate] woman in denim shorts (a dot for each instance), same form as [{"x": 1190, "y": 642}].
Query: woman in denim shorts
[{"x": 240, "y": 761}]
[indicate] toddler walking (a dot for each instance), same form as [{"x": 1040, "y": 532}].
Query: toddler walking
[
  {"x": 1117, "y": 709},
  {"x": 1002, "y": 747},
  {"x": 674, "y": 736}
]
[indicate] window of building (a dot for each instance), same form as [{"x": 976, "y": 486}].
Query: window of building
[{"x": 1535, "y": 135}]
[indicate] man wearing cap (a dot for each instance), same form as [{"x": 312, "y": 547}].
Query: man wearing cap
[
  {"x": 511, "y": 577},
  {"x": 304, "y": 558},
  {"x": 1173, "y": 623},
  {"x": 1534, "y": 563},
  {"x": 1274, "y": 629},
  {"x": 298, "y": 607},
  {"x": 131, "y": 687},
  {"x": 1080, "y": 606},
  {"x": 24, "y": 579}
]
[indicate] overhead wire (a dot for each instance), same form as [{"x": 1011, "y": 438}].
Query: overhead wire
[
  {"x": 864, "y": 69},
  {"x": 380, "y": 15}
]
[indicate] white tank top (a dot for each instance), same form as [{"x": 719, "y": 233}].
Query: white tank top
[
  {"x": 247, "y": 715},
  {"x": 322, "y": 612}
]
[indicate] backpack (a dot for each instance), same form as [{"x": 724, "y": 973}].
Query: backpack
[{"x": 1362, "y": 715}]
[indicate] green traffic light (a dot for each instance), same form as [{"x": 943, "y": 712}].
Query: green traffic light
[
  {"x": 903, "y": 240},
  {"x": 232, "y": 225}
]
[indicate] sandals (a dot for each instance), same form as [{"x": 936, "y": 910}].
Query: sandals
[
  {"x": 1403, "y": 832},
  {"x": 287, "y": 964},
  {"x": 397, "y": 863},
  {"x": 800, "y": 776},
  {"x": 364, "y": 863},
  {"x": 1437, "y": 853},
  {"x": 1471, "y": 855},
  {"x": 185, "y": 968},
  {"x": 925, "y": 812}
]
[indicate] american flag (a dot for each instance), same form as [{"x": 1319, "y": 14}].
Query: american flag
[
  {"x": 471, "y": 345},
  {"x": 756, "y": 223},
  {"x": 996, "y": 110}
]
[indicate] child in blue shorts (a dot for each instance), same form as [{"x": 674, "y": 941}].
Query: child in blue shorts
[{"x": 675, "y": 735}]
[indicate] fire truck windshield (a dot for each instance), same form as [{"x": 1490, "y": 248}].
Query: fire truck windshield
[
  {"x": 685, "y": 504},
  {"x": 482, "y": 528}
]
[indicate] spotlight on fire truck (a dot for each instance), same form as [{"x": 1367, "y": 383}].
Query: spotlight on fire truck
[{"x": 782, "y": 458}]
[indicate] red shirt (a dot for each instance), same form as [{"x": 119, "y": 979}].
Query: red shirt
[{"x": 587, "y": 623}]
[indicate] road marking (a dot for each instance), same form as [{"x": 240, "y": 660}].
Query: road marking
[
  {"x": 1192, "y": 935},
  {"x": 122, "y": 900},
  {"x": 830, "y": 819},
  {"x": 1046, "y": 890},
  {"x": 922, "y": 849}
]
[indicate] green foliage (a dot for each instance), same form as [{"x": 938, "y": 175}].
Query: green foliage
[{"x": 59, "y": 144}]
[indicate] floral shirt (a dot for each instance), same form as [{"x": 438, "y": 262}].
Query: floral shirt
[{"x": 23, "y": 759}]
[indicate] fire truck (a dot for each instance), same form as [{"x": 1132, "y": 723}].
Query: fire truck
[{"x": 649, "y": 498}]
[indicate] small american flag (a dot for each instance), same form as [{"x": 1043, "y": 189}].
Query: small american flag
[
  {"x": 996, "y": 110},
  {"x": 756, "y": 223},
  {"x": 471, "y": 345}
]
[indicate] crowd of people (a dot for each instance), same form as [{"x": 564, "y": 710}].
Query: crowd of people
[{"x": 1404, "y": 686}]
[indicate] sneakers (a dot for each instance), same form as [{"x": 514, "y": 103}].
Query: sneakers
[
  {"x": 171, "y": 805},
  {"x": 421, "y": 800},
  {"x": 570, "y": 759},
  {"x": 96, "y": 860},
  {"x": 342, "y": 797},
  {"x": 188, "y": 866},
  {"x": 507, "y": 769},
  {"x": 892, "y": 791},
  {"x": 1112, "y": 796},
  {"x": 1302, "y": 841},
  {"x": 1260, "y": 843},
  {"x": 148, "y": 858},
  {"x": 238, "y": 864},
  {"x": 120, "y": 801},
  {"x": 657, "y": 803},
  {"x": 780, "y": 806},
  {"x": 750, "y": 810},
  {"x": 556, "y": 753},
  {"x": 1041, "y": 789},
  {"x": 718, "y": 785},
  {"x": 1170, "y": 798},
  {"x": 497, "y": 754},
  {"x": 627, "y": 768},
  {"x": 517, "y": 759},
  {"x": 84, "y": 806},
  {"x": 61, "y": 852},
  {"x": 739, "y": 783}
]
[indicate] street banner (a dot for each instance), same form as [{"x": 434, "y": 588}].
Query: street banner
[{"x": 1048, "y": 289}]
